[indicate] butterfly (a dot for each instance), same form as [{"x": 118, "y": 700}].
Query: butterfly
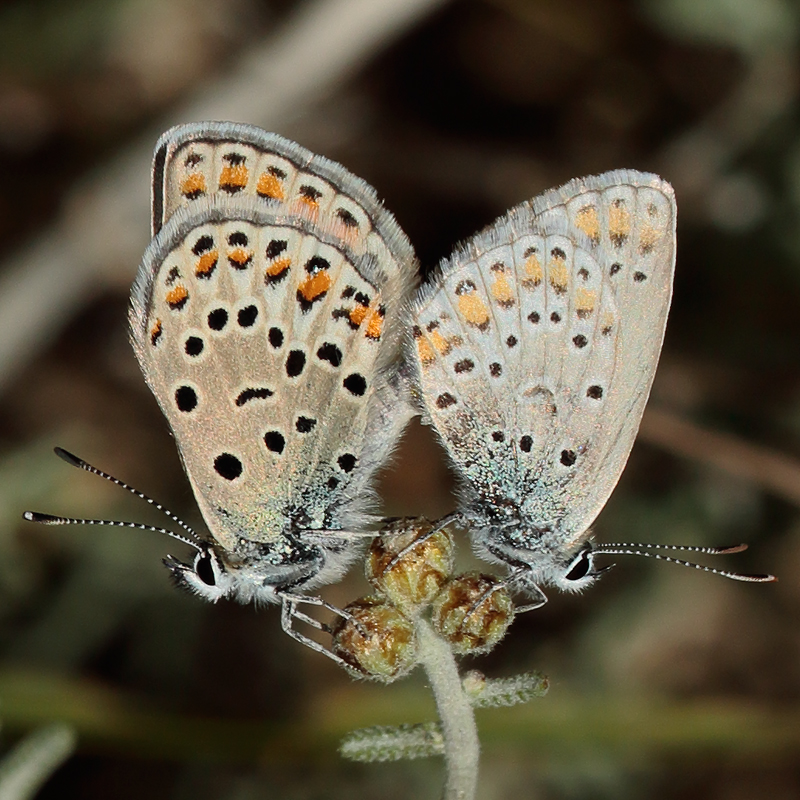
[
  {"x": 266, "y": 317},
  {"x": 276, "y": 319},
  {"x": 531, "y": 354}
]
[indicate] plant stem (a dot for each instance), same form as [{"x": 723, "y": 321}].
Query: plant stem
[{"x": 461, "y": 747}]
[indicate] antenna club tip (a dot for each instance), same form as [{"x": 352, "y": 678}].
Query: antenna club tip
[
  {"x": 45, "y": 519},
  {"x": 755, "y": 578},
  {"x": 65, "y": 455},
  {"x": 734, "y": 548}
]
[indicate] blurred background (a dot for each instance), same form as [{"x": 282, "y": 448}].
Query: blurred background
[{"x": 664, "y": 682}]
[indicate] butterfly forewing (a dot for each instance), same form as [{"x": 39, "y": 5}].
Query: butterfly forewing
[
  {"x": 265, "y": 318},
  {"x": 536, "y": 345}
]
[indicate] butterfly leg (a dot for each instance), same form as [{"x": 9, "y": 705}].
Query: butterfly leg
[
  {"x": 516, "y": 581},
  {"x": 512, "y": 583},
  {"x": 335, "y": 538},
  {"x": 540, "y": 598},
  {"x": 290, "y": 612},
  {"x": 484, "y": 597},
  {"x": 438, "y": 526}
]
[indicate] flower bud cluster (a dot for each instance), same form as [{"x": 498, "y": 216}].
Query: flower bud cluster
[{"x": 410, "y": 566}]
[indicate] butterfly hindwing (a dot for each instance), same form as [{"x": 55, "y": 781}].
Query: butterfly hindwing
[{"x": 535, "y": 346}]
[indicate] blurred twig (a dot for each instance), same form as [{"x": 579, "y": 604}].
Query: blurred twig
[
  {"x": 33, "y": 760},
  {"x": 102, "y": 231},
  {"x": 773, "y": 472}
]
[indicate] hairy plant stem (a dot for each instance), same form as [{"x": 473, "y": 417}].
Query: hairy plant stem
[{"x": 461, "y": 747}]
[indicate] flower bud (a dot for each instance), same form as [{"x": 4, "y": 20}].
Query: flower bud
[
  {"x": 377, "y": 640},
  {"x": 472, "y": 612},
  {"x": 409, "y": 564}
]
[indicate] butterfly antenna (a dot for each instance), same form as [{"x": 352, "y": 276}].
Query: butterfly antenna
[
  {"x": 628, "y": 549},
  {"x": 686, "y": 548},
  {"x": 48, "y": 519}
]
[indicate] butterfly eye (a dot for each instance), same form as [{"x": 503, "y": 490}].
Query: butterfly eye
[
  {"x": 204, "y": 569},
  {"x": 580, "y": 566}
]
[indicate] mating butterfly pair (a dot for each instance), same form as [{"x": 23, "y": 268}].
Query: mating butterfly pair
[{"x": 277, "y": 320}]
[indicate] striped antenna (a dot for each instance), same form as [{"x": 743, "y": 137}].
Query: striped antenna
[
  {"x": 49, "y": 519},
  {"x": 629, "y": 549},
  {"x": 192, "y": 539}
]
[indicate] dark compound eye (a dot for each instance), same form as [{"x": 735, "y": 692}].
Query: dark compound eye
[
  {"x": 580, "y": 567},
  {"x": 204, "y": 570}
]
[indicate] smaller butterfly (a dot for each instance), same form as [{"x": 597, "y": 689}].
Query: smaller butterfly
[
  {"x": 266, "y": 319},
  {"x": 532, "y": 353}
]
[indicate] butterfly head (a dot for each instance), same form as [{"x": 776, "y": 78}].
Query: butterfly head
[
  {"x": 536, "y": 555},
  {"x": 207, "y": 576},
  {"x": 252, "y": 573},
  {"x": 575, "y": 572}
]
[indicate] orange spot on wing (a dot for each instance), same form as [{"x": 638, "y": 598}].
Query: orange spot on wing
[
  {"x": 193, "y": 185},
  {"x": 474, "y": 310},
  {"x": 425, "y": 351},
  {"x": 619, "y": 223},
  {"x": 375, "y": 325},
  {"x": 584, "y": 301},
  {"x": 557, "y": 274},
  {"x": 440, "y": 343},
  {"x": 177, "y": 296},
  {"x": 278, "y": 267},
  {"x": 533, "y": 272},
  {"x": 648, "y": 238},
  {"x": 587, "y": 220},
  {"x": 233, "y": 177},
  {"x": 502, "y": 292},
  {"x": 240, "y": 257},
  {"x": 358, "y": 314},
  {"x": 155, "y": 332},
  {"x": 315, "y": 285},
  {"x": 269, "y": 186},
  {"x": 206, "y": 263}
]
